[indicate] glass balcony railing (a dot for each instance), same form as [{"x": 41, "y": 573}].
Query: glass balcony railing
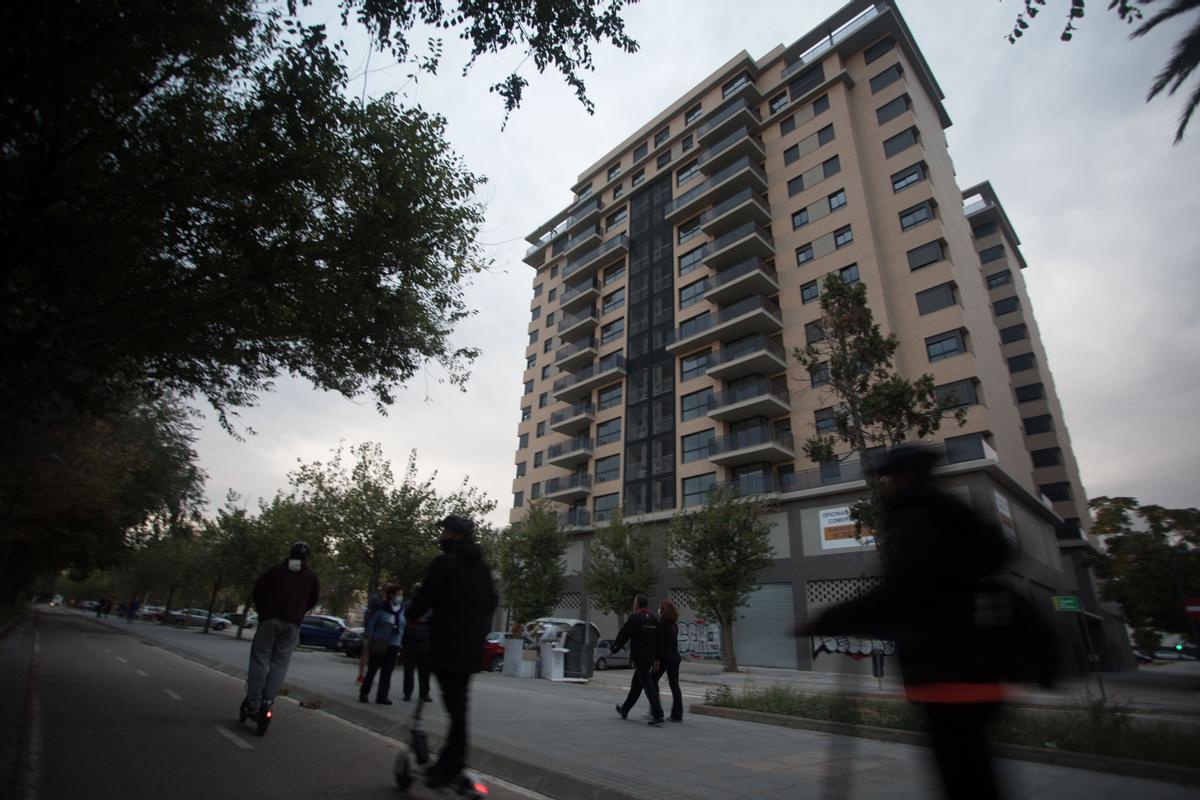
[
  {"x": 575, "y": 518},
  {"x": 566, "y": 323},
  {"x": 725, "y": 206},
  {"x": 744, "y": 268},
  {"x": 720, "y": 116},
  {"x": 740, "y": 232},
  {"x": 581, "y": 445},
  {"x": 581, "y": 481},
  {"x": 572, "y": 292},
  {"x": 715, "y": 149},
  {"x": 749, "y": 391},
  {"x": 620, "y": 240},
  {"x": 702, "y": 188},
  {"x": 757, "y": 344},
  {"x": 606, "y": 364},
  {"x": 584, "y": 409},
  {"x": 564, "y": 353},
  {"x": 820, "y": 48},
  {"x": 751, "y": 437},
  {"x": 744, "y": 306}
]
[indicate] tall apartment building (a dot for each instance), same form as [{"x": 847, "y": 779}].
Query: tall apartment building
[{"x": 669, "y": 295}]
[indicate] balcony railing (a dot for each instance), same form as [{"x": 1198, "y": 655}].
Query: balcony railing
[
  {"x": 702, "y": 188},
  {"x": 579, "y": 481},
  {"x": 589, "y": 258},
  {"x": 741, "y": 349},
  {"x": 749, "y": 391},
  {"x": 575, "y": 242},
  {"x": 740, "y": 232},
  {"x": 744, "y": 268},
  {"x": 575, "y": 518},
  {"x": 581, "y": 445},
  {"x": 566, "y": 323},
  {"x": 573, "y": 292},
  {"x": 720, "y": 116},
  {"x": 725, "y": 206},
  {"x": 810, "y": 55},
  {"x": 745, "y": 306},
  {"x": 583, "y": 409},
  {"x": 752, "y": 437},
  {"x": 833, "y": 472},
  {"x": 753, "y": 484},
  {"x": 566, "y": 353},
  {"x": 588, "y": 207},
  {"x": 606, "y": 364}
]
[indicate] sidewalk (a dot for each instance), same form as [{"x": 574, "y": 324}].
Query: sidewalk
[{"x": 566, "y": 741}]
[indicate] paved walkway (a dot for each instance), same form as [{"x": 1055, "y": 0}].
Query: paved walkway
[{"x": 573, "y": 730}]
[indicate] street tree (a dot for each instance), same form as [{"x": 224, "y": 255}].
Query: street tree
[
  {"x": 721, "y": 548},
  {"x": 622, "y": 562},
  {"x": 531, "y": 564},
  {"x": 853, "y": 365}
]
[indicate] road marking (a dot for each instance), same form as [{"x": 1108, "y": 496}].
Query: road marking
[
  {"x": 172, "y": 695},
  {"x": 233, "y": 737},
  {"x": 123, "y": 661},
  {"x": 143, "y": 673}
]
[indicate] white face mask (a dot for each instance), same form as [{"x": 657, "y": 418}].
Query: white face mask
[{"x": 294, "y": 564}]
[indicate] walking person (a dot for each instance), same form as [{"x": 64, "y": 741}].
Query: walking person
[
  {"x": 135, "y": 605},
  {"x": 668, "y": 656},
  {"x": 384, "y": 631},
  {"x": 283, "y": 595},
  {"x": 372, "y": 603},
  {"x": 641, "y": 631},
  {"x": 458, "y": 589},
  {"x": 415, "y": 649}
]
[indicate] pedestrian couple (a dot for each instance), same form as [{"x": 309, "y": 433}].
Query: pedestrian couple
[
  {"x": 653, "y": 651},
  {"x": 389, "y": 634}
]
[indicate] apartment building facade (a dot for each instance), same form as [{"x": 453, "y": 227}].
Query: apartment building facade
[{"x": 669, "y": 295}]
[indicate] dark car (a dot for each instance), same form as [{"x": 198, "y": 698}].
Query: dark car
[
  {"x": 351, "y": 642},
  {"x": 318, "y": 630}
]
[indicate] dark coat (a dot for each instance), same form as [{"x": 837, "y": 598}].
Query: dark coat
[
  {"x": 641, "y": 631},
  {"x": 282, "y": 594},
  {"x": 668, "y": 643},
  {"x": 458, "y": 589}
]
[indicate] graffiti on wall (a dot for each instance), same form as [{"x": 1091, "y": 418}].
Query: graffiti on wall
[
  {"x": 853, "y": 646},
  {"x": 699, "y": 639}
]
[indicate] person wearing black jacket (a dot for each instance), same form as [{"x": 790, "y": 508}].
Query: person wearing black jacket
[
  {"x": 641, "y": 631},
  {"x": 283, "y": 595},
  {"x": 668, "y": 656},
  {"x": 416, "y": 654},
  {"x": 458, "y": 589}
]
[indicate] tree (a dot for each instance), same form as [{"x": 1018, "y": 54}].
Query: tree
[
  {"x": 621, "y": 563},
  {"x": 1179, "y": 67},
  {"x": 531, "y": 564},
  {"x": 721, "y": 548},
  {"x": 873, "y": 405},
  {"x": 1149, "y": 566}
]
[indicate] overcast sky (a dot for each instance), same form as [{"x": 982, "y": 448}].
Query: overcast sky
[{"x": 1104, "y": 205}]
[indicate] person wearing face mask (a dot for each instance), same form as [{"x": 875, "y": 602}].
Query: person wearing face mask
[
  {"x": 283, "y": 595},
  {"x": 383, "y": 635},
  {"x": 458, "y": 589}
]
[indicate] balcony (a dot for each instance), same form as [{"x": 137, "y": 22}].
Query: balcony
[
  {"x": 565, "y": 490},
  {"x": 739, "y": 175},
  {"x": 754, "y": 314},
  {"x": 758, "y": 355},
  {"x": 740, "y": 113},
  {"x": 747, "y": 241},
  {"x": 576, "y": 518},
  {"x": 592, "y": 261},
  {"x": 587, "y": 211},
  {"x": 578, "y": 244},
  {"x": 742, "y": 143},
  {"x": 535, "y": 256},
  {"x": 580, "y": 385},
  {"x": 568, "y": 454},
  {"x": 814, "y": 53},
  {"x": 750, "y": 485},
  {"x": 969, "y": 448},
  {"x": 584, "y": 320},
  {"x": 576, "y": 354},
  {"x": 574, "y": 419},
  {"x": 752, "y": 276},
  {"x": 749, "y": 446},
  {"x": 745, "y": 206},
  {"x": 761, "y": 398},
  {"x": 577, "y": 296}
]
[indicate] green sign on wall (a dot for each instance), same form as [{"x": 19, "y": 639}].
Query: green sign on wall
[{"x": 1066, "y": 602}]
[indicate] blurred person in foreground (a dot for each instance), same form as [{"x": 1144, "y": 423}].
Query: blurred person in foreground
[{"x": 959, "y": 632}]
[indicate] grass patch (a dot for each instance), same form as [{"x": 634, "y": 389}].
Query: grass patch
[{"x": 1093, "y": 726}]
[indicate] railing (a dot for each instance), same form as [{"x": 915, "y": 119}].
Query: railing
[
  {"x": 759, "y": 342},
  {"x": 588, "y": 208},
  {"x": 581, "y": 480},
  {"x": 575, "y": 518},
  {"x": 571, "y": 293},
  {"x": 720, "y": 116},
  {"x": 547, "y": 238},
  {"x": 577, "y": 410},
  {"x": 564, "y": 353},
  {"x": 810, "y": 55},
  {"x": 725, "y": 205},
  {"x": 749, "y": 438},
  {"x": 575, "y": 241},
  {"x": 975, "y": 207},
  {"x": 691, "y": 194},
  {"x": 716, "y": 149},
  {"x": 573, "y": 320},
  {"x": 620, "y": 240},
  {"x": 704, "y": 322},
  {"x": 749, "y": 485},
  {"x": 749, "y": 391},
  {"x": 581, "y": 445},
  {"x": 744, "y": 268},
  {"x": 740, "y": 232},
  {"x": 614, "y": 361},
  {"x": 833, "y": 472}
]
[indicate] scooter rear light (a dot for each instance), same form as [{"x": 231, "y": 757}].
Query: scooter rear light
[
  {"x": 269, "y": 712},
  {"x": 480, "y": 788}
]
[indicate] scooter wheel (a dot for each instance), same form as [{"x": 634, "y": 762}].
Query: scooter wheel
[
  {"x": 403, "y": 775},
  {"x": 264, "y": 722},
  {"x": 242, "y": 716}
]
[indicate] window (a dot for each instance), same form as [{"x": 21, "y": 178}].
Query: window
[
  {"x": 944, "y": 345},
  {"x": 662, "y": 136},
  {"x": 612, "y": 331},
  {"x": 614, "y": 171},
  {"x": 607, "y": 432},
  {"x": 546, "y": 371},
  {"x": 809, "y": 292},
  {"x": 820, "y": 105},
  {"x": 825, "y": 135},
  {"x": 806, "y": 81},
  {"x": 691, "y": 260},
  {"x": 886, "y": 78},
  {"x": 537, "y": 290},
  {"x": 584, "y": 192},
  {"x": 813, "y": 332},
  {"x": 535, "y": 313},
  {"x": 607, "y": 398},
  {"x": 608, "y": 469},
  {"x": 787, "y": 125},
  {"x": 692, "y": 115},
  {"x": 695, "y": 490},
  {"x": 520, "y": 469},
  {"x": 990, "y": 254},
  {"x": 999, "y": 279},
  {"x": 1014, "y": 333},
  {"x": 800, "y": 219},
  {"x": 735, "y": 84},
  {"x": 819, "y": 375},
  {"x": 889, "y": 111},
  {"x": 962, "y": 393},
  {"x": 613, "y": 301},
  {"x": 831, "y": 167},
  {"x": 549, "y": 319},
  {"x": 837, "y": 200},
  {"x": 778, "y": 102},
  {"x": 526, "y": 413},
  {"x": 535, "y": 491},
  {"x": 1042, "y": 423},
  {"x": 529, "y": 386},
  {"x": 548, "y": 345},
  {"x": 849, "y": 274},
  {"x": 687, "y": 143},
  {"x": 1056, "y": 492},
  {"x": 613, "y": 274},
  {"x": 824, "y": 420},
  {"x": 1049, "y": 457},
  {"x": 1022, "y": 362},
  {"x": 1029, "y": 392},
  {"x": 900, "y": 142},
  {"x": 616, "y": 218},
  {"x": 552, "y": 295},
  {"x": 638, "y": 177},
  {"x": 907, "y": 177},
  {"x": 523, "y": 442},
  {"x": 618, "y": 190},
  {"x": 795, "y": 186},
  {"x": 926, "y": 254},
  {"x": 533, "y": 336},
  {"x": 640, "y": 152},
  {"x": 543, "y": 399},
  {"x": 843, "y": 236},
  {"x": 541, "y": 428},
  {"x": 554, "y": 269},
  {"x": 694, "y": 366},
  {"x": 663, "y": 160},
  {"x": 687, "y": 172},
  {"x": 695, "y": 404},
  {"x": 804, "y": 254},
  {"x": 692, "y": 293},
  {"x": 935, "y": 299},
  {"x": 917, "y": 215},
  {"x": 605, "y": 506},
  {"x": 537, "y": 458},
  {"x": 697, "y": 446},
  {"x": 518, "y": 499},
  {"x": 986, "y": 229},
  {"x": 530, "y": 361},
  {"x": 689, "y": 230},
  {"x": 1006, "y": 305},
  {"x": 876, "y": 50}
]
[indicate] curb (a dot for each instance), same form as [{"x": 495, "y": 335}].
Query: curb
[{"x": 1149, "y": 770}]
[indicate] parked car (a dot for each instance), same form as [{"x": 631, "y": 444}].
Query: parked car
[
  {"x": 493, "y": 656},
  {"x": 605, "y": 658},
  {"x": 496, "y": 637},
  {"x": 152, "y": 613},
  {"x": 89, "y": 605},
  {"x": 351, "y": 642},
  {"x": 1143, "y": 657},
  {"x": 319, "y": 630},
  {"x": 196, "y": 617},
  {"x": 235, "y": 618}
]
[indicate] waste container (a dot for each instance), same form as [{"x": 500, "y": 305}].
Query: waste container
[{"x": 580, "y": 659}]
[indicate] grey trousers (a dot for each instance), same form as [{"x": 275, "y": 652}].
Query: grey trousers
[{"x": 270, "y": 654}]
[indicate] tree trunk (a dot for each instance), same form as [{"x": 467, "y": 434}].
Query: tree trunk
[
  {"x": 728, "y": 656},
  {"x": 212, "y": 601},
  {"x": 167, "y": 605},
  {"x": 245, "y": 613}
]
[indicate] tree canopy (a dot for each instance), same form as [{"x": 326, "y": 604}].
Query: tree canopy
[
  {"x": 531, "y": 564},
  {"x": 621, "y": 563}
]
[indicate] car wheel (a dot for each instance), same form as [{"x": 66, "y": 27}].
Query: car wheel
[
  {"x": 497, "y": 664},
  {"x": 220, "y": 626},
  {"x": 601, "y": 664}
]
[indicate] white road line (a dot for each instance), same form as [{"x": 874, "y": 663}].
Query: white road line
[
  {"x": 172, "y": 695},
  {"x": 143, "y": 673},
  {"x": 233, "y": 737},
  {"x": 123, "y": 661}
]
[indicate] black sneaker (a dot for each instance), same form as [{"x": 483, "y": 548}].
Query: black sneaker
[
  {"x": 624, "y": 714},
  {"x": 675, "y": 720},
  {"x": 427, "y": 699},
  {"x": 656, "y": 723},
  {"x": 384, "y": 702},
  {"x": 362, "y": 698}
]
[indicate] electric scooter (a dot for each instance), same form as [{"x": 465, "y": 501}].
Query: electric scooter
[
  {"x": 262, "y": 717},
  {"x": 413, "y": 762}
]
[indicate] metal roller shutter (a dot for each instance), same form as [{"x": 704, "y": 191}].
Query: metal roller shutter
[{"x": 763, "y": 633}]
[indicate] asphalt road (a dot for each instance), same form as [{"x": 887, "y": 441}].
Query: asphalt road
[{"x": 112, "y": 717}]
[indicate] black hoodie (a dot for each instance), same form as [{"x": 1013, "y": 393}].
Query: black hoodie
[{"x": 458, "y": 588}]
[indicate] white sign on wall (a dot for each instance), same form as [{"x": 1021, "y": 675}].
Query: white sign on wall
[
  {"x": 837, "y": 530},
  {"x": 1004, "y": 513}
]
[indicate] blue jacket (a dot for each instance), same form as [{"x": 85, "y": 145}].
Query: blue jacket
[{"x": 386, "y": 624}]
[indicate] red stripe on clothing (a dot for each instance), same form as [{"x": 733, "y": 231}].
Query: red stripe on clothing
[{"x": 957, "y": 693}]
